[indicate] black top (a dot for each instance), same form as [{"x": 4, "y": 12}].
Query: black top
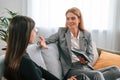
[{"x": 31, "y": 71}]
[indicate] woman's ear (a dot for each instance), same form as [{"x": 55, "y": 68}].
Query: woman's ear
[{"x": 32, "y": 36}]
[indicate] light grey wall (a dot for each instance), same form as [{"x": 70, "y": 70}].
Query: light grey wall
[{"x": 18, "y": 6}]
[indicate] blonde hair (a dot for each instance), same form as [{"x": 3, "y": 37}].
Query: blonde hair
[{"x": 77, "y": 12}]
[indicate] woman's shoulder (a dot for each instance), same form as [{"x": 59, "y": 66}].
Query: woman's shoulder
[
  {"x": 26, "y": 59},
  {"x": 26, "y": 63},
  {"x": 86, "y": 33},
  {"x": 62, "y": 29}
]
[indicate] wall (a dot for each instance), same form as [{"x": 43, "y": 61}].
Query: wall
[{"x": 18, "y": 6}]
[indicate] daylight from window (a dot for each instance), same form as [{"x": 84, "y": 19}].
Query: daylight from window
[{"x": 51, "y": 13}]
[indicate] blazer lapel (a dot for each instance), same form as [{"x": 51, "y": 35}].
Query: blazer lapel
[
  {"x": 68, "y": 39},
  {"x": 81, "y": 40}
]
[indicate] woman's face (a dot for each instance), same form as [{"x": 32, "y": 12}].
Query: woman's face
[
  {"x": 32, "y": 36},
  {"x": 72, "y": 20}
]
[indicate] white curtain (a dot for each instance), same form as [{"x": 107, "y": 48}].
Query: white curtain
[
  {"x": 101, "y": 18},
  {"x": 110, "y": 38}
]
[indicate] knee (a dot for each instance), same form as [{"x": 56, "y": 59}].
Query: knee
[
  {"x": 82, "y": 76},
  {"x": 115, "y": 68},
  {"x": 98, "y": 73}
]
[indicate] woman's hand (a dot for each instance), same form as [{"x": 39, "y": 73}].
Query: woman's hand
[
  {"x": 82, "y": 60},
  {"x": 72, "y": 78},
  {"x": 42, "y": 42}
]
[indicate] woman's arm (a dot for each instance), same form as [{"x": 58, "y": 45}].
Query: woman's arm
[
  {"x": 53, "y": 38},
  {"x": 89, "y": 49},
  {"x": 31, "y": 71},
  {"x": 47, "y": 75}
]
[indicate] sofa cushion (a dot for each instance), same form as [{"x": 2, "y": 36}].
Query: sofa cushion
[
  {"x": 107, "y": 59},
  {"x": 34, "y": 52},
  {"x": 51, "y": 58}
]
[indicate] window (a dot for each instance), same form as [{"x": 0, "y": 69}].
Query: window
[{"x": 51, "y": 13}]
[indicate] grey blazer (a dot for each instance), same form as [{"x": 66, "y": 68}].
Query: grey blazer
[{"x": 63, "y": 38}]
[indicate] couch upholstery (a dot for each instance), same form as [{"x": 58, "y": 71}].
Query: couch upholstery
[
  {"x": 1, "y": 65},
  {"x": 47, "y": 58}
]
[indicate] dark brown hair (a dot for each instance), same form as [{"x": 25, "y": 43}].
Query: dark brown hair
[{"x": 19, "y": 34}]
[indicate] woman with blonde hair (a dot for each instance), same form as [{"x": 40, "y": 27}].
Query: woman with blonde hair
[
  {"x": 77, "y": 12},
  {"x": 75, "y": 36}
]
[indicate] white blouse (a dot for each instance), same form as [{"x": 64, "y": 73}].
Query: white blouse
[{"x": 75, "y": 44}]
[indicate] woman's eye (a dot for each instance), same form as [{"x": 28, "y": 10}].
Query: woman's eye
[
  {"x": 72, "y": 18},
  {"x": 67, "y": 18}
]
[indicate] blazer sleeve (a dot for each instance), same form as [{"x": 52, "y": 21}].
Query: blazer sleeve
[
  {"x": 28, "y": 70},
  {"x": 53, "y": 38},
  {"x": 56, "y": 37},
  {"x": 89, "y": 49}
]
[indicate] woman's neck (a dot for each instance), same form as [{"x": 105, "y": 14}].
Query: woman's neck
[{"x": 75, "y": 32}]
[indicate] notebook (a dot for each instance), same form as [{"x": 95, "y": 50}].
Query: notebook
[{"x": 80, "y": 53}]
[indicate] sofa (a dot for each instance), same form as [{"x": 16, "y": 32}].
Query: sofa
[{"x": 49, "y": 58}]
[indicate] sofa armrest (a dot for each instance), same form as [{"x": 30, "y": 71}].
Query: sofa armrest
[
  {"x": 110, "y": 51},
  {"x": 2, "y": 57}
]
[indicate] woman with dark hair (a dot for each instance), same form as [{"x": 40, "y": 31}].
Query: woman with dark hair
[
  {"x": 18, "y": 65},
  {"x": 75, "y": 36}
]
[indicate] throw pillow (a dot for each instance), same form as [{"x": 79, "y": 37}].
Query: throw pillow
[{"x": 107, "y": 59}]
